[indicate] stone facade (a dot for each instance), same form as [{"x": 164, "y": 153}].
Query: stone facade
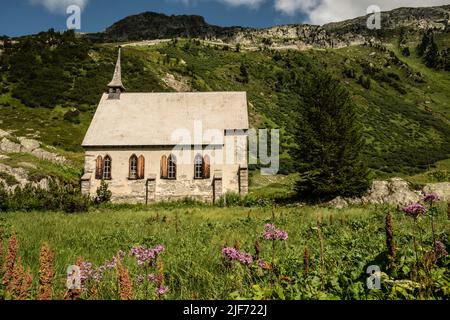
[{"x": 231, "y": 176}]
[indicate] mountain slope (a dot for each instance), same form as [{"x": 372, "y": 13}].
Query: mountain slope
[{"x": 50, "y": 85}]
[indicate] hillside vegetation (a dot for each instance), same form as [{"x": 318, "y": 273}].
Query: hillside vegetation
[{"x": 51, "y": 83}]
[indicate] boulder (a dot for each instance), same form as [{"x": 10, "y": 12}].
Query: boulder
[
  {"x": 28, "y": 145},
  {"x": 8, "y": 146},
  {"x": 338, "y": 203},
  {"x": 395, "y": 191},
  {"x": 3, "y": 133}
]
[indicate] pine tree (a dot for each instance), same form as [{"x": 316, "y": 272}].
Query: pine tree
[
  {"x": 432, "y": 57},
  {"x": 423, "y": 45},
  {"x": 329, "y": 156}
]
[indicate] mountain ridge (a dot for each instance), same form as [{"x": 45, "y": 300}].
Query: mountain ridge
[{"x": 152, "y": 25}]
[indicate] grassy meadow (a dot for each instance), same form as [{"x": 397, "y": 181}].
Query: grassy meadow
[{"x": 340, "y": 245}]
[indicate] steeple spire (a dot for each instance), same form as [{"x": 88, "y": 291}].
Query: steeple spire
[{"x": 115, "y": 86}]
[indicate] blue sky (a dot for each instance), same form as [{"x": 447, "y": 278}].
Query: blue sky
[{"x": 22, "y": 17}]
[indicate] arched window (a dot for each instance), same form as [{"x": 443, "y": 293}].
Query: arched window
[
  {"x": 133, "y": 167},
  {"x": 172, "y": 167},
  {"x": 99, "y": 168},
  {"x": 198, "y": 167},
  {"x": 107, "y": 165}
]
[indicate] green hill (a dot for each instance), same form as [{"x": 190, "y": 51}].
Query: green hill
[{"x": 50, "y": 85}]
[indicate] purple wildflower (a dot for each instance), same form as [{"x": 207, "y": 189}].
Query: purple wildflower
[
  {"x": 414, "y": 210},
  {"x": 431, "y": 197},
  {"x": 272, "y": 233},
  {"x": 162, "y": 290},
  {"x": 263, "y": 264},
  {"x": 144, "y": 255},
  {"x": 233, "y": 254},
  {"x": 440, "y": 250}
]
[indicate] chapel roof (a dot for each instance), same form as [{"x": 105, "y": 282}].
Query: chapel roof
[{"x": 151, "y": 119}]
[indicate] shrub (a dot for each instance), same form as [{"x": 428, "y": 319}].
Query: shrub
[
  {"x": 103, "y": 193},
  {"x": 58, "y": 197}
]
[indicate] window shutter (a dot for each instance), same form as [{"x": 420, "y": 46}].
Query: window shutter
[
  {"x": 129, "y": 167},
  {"x": 141, "y": 167},
  {"x": 164, "y": 171},
  {"x": 99, "y": 168},
  {"x": 206, "y": 168}
]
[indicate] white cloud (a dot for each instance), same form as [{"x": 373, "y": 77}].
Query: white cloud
[
  {"x": 324, "y": 11},
  {"x": 248, "y": 3},
  {"x": 59, "y": 6}
]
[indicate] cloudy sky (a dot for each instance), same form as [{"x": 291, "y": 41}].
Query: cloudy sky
[{"x": 21, "y": 17}]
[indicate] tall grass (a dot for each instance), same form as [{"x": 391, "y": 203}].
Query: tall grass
[{"x": 194, "y": 236}]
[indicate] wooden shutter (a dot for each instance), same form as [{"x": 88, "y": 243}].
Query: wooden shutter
[
  {"x": 206, "y": 168},
  {"x": 141, "y": 167},
  {"x": 99, "y": 168},
  {"x": 164, "y": 167},
  {"x": 129, "y": 167}
]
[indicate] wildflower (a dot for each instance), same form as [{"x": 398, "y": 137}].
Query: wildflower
[
  {"x": 414, "y": 210},
  {"x": 272, "y": 233},
  {"x": 392, "y": 250},
  {"x": 160, "y": 277},
  {"x": 24, "y": 290},
  {"x": 233, "y": 254},
  {"x": 10, "y": 259},
  {"x": 306, "y": 256},
  {"x": 431, "y": 197},
  {"x": 264, "y": 264},
  {"x": 144, "y": 255},
  {"x": 125, "y": 286},
  {"x": 162, "y": 290},
  {"x": 46, "y": 273},
  {"x": 440, "y": 250},
  {"x": 16, "y": 278}
]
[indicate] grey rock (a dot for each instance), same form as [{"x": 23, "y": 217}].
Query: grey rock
[
  {"x": 8, "y": 146},
  {"x": 28, "y": 145}
]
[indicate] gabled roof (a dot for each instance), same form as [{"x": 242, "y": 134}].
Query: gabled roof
[{"x": 150, "y": 119}]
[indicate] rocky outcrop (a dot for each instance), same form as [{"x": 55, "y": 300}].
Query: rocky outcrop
[
  {"x": 151, "y": 25},
  {"x": 395, "y": 191},
  {"x": 19, "y": 174},
  {"x": 442, "y": 189},
  {"x": 26, "y": 145}
]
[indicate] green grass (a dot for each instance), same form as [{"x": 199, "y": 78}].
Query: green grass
[{"x": 194, "y": 236}]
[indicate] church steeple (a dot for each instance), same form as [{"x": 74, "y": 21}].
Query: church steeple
[{"x": 115, "y": 86}]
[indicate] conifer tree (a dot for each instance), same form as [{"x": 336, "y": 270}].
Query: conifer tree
[{"x": 330, "y": 144}]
